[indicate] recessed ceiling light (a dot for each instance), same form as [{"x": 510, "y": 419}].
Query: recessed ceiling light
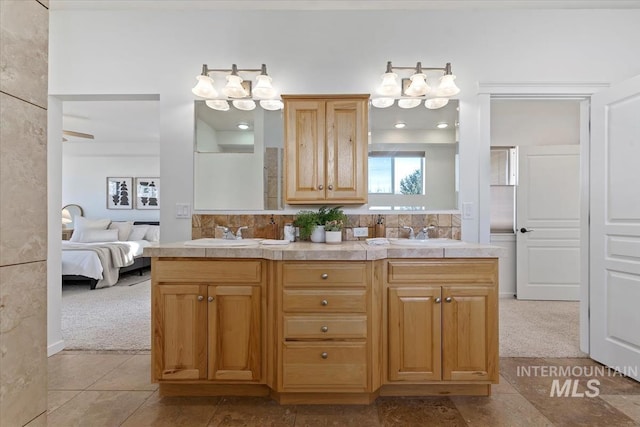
[
  {"x": 243, "y": 126},
  {"x": 442, "y": 125},
  {"x": 399, "y": 125}
]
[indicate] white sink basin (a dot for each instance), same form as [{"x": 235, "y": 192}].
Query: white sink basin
[
  {"x": 426, "y": 243},
  {"x": 221, "y": 243}
]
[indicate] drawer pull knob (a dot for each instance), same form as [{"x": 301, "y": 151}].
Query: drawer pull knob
[
  {"x": 200, "y": 297},
  {"x": 210, "y": 299},
  {"x": 448, "y": 299},
  {"x": 325, "y": 276},
  {"x": 437, "y": 300},
  {"x": 324, "y": 329},
  {"x": 324, "y": 355},
  {"x": 324, "y": 302}
]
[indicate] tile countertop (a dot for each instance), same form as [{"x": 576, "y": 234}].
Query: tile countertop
[{"x": 345, "y": 251}]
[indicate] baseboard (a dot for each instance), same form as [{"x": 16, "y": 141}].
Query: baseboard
[
  {"x": 507, "y": 295},
  {"x": 54, "y": 348}
]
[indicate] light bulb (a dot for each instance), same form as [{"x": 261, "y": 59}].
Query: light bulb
[
  {"x": 263, "y": 88},
  {"x": 447, "y": 86},
  {"x": 418, "y": 86},
  {"x": 389, "y": 85},
  {"x": 234, "y": 88},
  {"x": 399, "y": 125},
  {"x": 442, "y": 125},
  {"x": 204, "y": 87},
  {"x": 244, "y": 104},
  {"x": 435, "y": 103},
  {"x": 382, "y": 102},
  {"x": 218, "y": 104},
  {"x": 243, "y": 126},
  {"x": 271, "y": 104},
  {"x": 408, "y": 103}
]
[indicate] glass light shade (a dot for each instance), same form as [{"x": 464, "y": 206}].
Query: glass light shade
[
  {"x": 389, "y": 85},
  {"x": 447, "y": 86},
  {"x": 244, "y": 104},
  {"x": 408, "y": 103},
  {"x": 418, "y": 86},
  {"x": 218, "y": 104},
  {"x": 382, "y": 102},
  {"x": 204, "y": 87},
  {"x": 234, "y": 88},
  {"x": 264, "y": 89},
  {"x": 271, "y": 104},
  {"x": 435, "y": 103}
]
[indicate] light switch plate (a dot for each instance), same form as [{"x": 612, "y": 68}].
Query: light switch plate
[
  {"x": 467, "y": 210},
  {"x": 183, "y": 210},
  {"x": 360, "y": 232}
]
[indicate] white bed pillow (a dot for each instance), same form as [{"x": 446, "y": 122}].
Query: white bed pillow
[
  {"x": 93, "y": 235},
  {"x": 153, "y": 233},
  {"x": 81, "y": 224},
  {"x": 138, "y": 232},
  {"x": 123, "y": 227}
]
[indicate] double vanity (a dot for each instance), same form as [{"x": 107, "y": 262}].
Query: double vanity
[{"x": 317, "y": 323}]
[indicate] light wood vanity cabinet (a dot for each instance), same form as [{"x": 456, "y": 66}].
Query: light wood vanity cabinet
[
  {"x": 208, "y": 320},
  {"x": 442, "y": 320},
  {"x": 326, "y": 149}
]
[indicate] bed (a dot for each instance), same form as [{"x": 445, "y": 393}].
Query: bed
[{"x": 100, "y": 261}]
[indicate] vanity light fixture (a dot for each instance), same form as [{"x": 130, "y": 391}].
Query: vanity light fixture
[
  {"x": 415, "y": 88},
  {"x": 237, "y": 90}
]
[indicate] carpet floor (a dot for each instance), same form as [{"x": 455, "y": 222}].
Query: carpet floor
[
  {"x": 113, "y": 318},
  {"x": 119, "y": 318}
]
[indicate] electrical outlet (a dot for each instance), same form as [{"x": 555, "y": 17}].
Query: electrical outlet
[{"x": 360, "y": 232}]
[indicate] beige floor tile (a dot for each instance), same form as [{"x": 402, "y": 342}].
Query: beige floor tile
[
  {"x": 133, "y": 374},
  {"x": 508, "y": 410},
  {"x": 627, "y": 404},
  {"x": 174, "y": 411},
  {"x": 98, "y": 408},
  {"x": 252, "y": 411},
  {"x": 57, "y": 398},
  {"x": 504, "y": 387},
  {"x": 79, "y": 371},
  {"x": 336, "y": 415},
  {"x": 422, "y": 411}
]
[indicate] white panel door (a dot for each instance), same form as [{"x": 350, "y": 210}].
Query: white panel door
[
  {"x": 548, "y": 222},
  {"x": 614, "y": 273}
]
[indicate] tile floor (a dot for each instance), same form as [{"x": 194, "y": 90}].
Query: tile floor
[{"x": 113, "y": 389}]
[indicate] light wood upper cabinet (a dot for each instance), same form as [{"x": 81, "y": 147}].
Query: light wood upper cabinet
[{"x": 326, "y": 149}]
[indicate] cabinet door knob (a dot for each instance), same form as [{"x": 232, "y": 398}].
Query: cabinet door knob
[
  {"x": 320, "y": 187},
  {"x": 437, "y": 300},
  {"x": 324, "y": 329},
  {"x": 325, "y": 276},
  {"x": 324, "y": 355},
  {"x": 324, "y": 302},
  {"x": 330, "y": 187},
  {"x": 448, "y": 299},
  {"x": 200, "y": 297},
  {"x": 210, "y": 299}
]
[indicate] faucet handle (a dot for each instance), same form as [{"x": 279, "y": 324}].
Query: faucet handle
[
  {"x": 411, "y": 232},
  {"x": 239, "y": 231}
]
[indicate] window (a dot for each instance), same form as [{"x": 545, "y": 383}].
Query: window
[{"x": 396, "y": 172}]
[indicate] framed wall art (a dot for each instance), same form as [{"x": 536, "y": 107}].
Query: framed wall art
[
  {"x": 119, "y": 193},
  {"x": 147, "y": 193}
]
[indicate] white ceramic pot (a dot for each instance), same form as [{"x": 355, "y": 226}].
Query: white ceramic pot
[
  {"x": 318, "y": 234},
  {"x": 333, "y": 237}
]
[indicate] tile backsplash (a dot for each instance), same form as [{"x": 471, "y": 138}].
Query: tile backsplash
[{"x": 445, "y": 225}]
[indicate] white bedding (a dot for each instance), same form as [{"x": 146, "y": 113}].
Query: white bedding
[{"x": 76, "y": 261}]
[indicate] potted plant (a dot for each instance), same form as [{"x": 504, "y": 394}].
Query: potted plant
[
  {"x": 307, "y": 222},
  {"x": 333, "y": 231}
]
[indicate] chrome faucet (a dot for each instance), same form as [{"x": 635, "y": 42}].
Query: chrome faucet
[
  {"x": 411, "y": 233},
  {"x": 227, "y": 234},
  {"x": 239, "y": 232},
  {"x": 422, "y": 234}
]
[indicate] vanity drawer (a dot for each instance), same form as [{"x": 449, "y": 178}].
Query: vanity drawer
[
  {"x": 327, "y": 365},
  {"x": 324, "y": 274},
  {"x": 442, "y": 271},
  {"x": 324, "y": 300},
  {"x": 325, "y": 327},
  {"x": 209, "y": 271}
]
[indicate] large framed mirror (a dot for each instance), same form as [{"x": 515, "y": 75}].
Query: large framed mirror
[{"x": 238, "y": 159}]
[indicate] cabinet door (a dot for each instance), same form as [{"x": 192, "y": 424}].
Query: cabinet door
[
  {"x": 235, "y": 337},
  {"x": 179, "y": 332},
  {"x": 346, "y": 180},
  {"x": 470, "y": 333},
  {"x": 304, "y": 151},
  {"x": 414, "y": 334}
]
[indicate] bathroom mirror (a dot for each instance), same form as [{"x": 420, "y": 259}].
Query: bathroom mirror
[
  {"x": 241, "y": 169},
  {"x": 68, "y": 214}
]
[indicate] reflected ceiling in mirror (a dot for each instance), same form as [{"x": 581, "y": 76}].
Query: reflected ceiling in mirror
[{"x": 229, "y": 131}]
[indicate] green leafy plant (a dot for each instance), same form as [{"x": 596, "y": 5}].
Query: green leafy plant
[
  {"x": 326, "y": 215},
  {"x": 306, "y": 221},
  {"x": 335, "y": 225}
]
